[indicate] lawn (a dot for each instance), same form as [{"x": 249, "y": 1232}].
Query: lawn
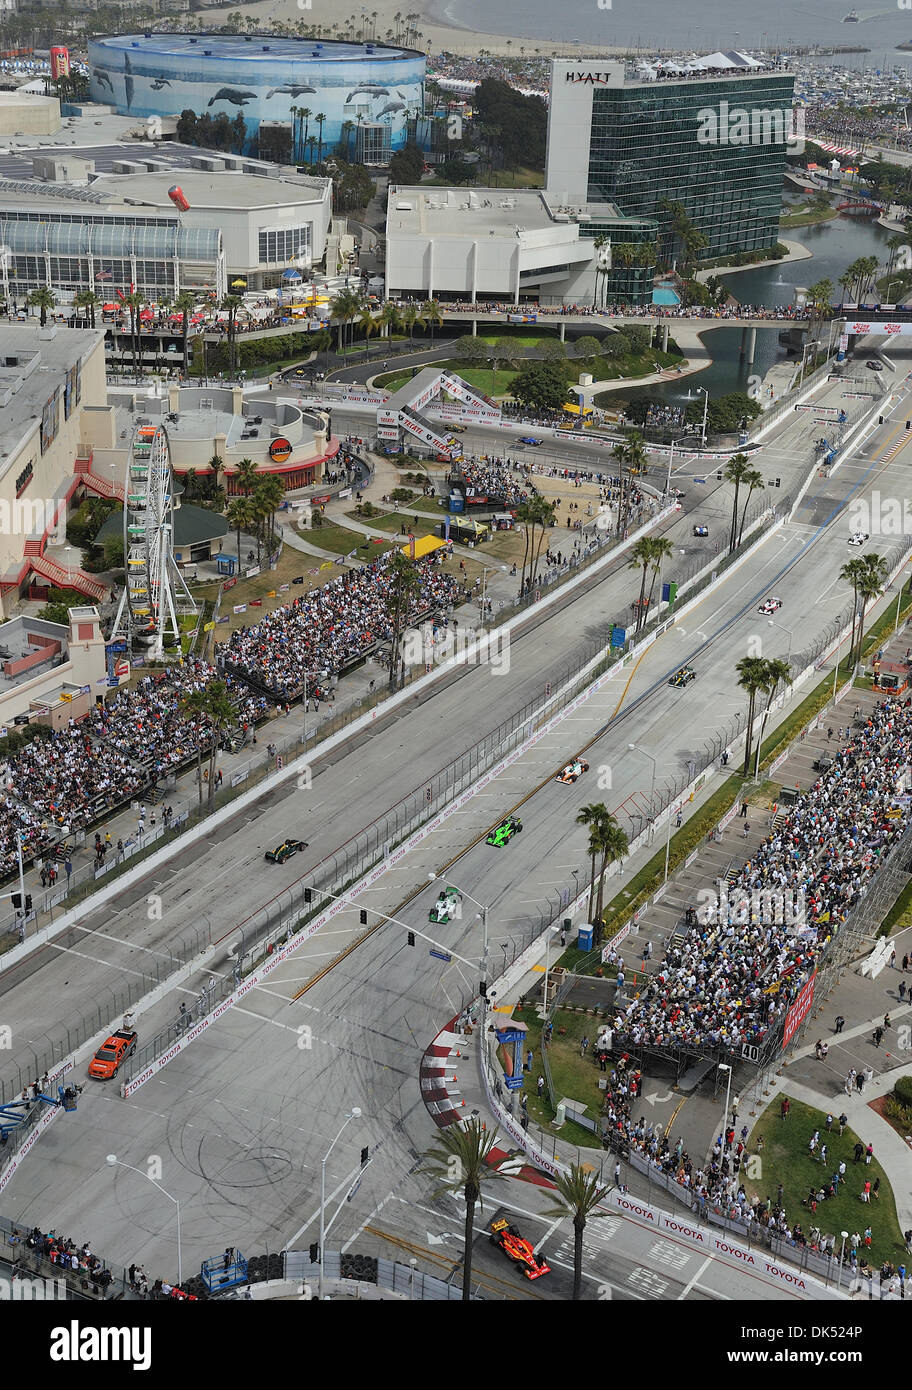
[
  {"x": 291, "y": 564},
  {"x": 786, "y": 1160},
  {"x": 574, "y": 1077},
  {"x": 341, "y": 541}
]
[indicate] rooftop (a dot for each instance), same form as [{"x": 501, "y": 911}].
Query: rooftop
[
  {"x": 253, "y": 48},
  {"x": 461, "y": 212},
  {"x": 17, "y": 639},
  {"x": 219, "y": 190},
  {"x": 33, "y": 363}
]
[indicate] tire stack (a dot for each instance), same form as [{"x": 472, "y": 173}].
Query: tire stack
[{"x": 361, "y": 1267}]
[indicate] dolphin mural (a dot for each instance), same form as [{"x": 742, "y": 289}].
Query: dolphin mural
[
  {"x": 104, "y": 80},
  {"x": 159, "y": 83},
  {"x": 370, "y": 90},
  {"x": 391, "y": 106}
]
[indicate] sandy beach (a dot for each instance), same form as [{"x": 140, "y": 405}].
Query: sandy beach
[{"x": 436, "y": 33}]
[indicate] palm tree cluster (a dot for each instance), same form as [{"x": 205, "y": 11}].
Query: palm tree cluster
[
  {"x": 859, "y": 277},
  {"x": 607, "y": 843},
  {"x": 631, "y": 455},
  {"x": 759, "y": 676},
  {"x": 254, "y": 509},
  {"x": 684, "y": 238},
  {"x": 740, "y": 471},
  {"x": 649, "y": 553},
  {"x": 348, "y": 308},
  {"x": 537, "y": 511},
  {"x": 868, "y": 575}
]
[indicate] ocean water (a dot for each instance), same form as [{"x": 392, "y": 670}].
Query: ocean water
[{"x": 700, "y": 24}]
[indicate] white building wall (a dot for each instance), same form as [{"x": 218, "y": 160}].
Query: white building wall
[{"x": 570, "y": 123}]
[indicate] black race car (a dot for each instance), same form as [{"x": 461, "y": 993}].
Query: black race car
[
  {"x": 509, "y": 827},
  {"x": 683, "y": 677},
  {"x": 701, "y": 530},
  {"x": 284, "y": 851}
]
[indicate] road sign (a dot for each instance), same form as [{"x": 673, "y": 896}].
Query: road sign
[
  {"x": 699, "y": 480},
  {"x": 513, "y": 1083},
  {"x": 439, "y": 955}
]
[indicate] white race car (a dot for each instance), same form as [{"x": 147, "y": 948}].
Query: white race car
[
  {"x": 770, "y": 605},
  {"x": 858, "y": 538},
  {"x": 572, "y": 771}
]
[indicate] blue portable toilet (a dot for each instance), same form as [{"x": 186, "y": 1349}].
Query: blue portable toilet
[{"x": 584, "y": 937}]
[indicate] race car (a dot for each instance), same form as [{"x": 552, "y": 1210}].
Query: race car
[
  {"x": 858, "y": 538},
  {"x": 529, "y": 439},
  {"x": 505, "y": 831},
  {"x": 518, "y": 1249},
  {"x": 874, "y": 366},
  {"x": 572, "y": 771},
  {"x": 770, "y": 605},
  {"x": 447, "y": 906},
  {"x": 683, "y": 677},
  {"x": 112, "y": 1052},
  {"x": 701, "y": 531},
  {"x": 284, "y": 851}
]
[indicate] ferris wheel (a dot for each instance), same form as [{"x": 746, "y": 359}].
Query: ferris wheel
[{"x": 147, "y": 615}]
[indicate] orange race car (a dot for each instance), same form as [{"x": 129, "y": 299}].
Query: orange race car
[
  {"x": 518, "y": 1249},
  {"x": 112, "y": 1052}
]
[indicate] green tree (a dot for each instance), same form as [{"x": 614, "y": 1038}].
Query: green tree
[
  {"x": 239, "y": 520},
  {"x": 541, "y": 385},
  {"x": 544, "y": 512},
  {"x": 524, "y": 516},
  {"x": 460, "y": 1161},
  {"x": 578, "y": 1194},
  {"x": 389, "y": 318},
  {"x": 662, "y": 550},
  {"x": 611, "y": 843},
  {"x": 246, "y": 476},
  {"x": 404, "y": 589},
  {"x": 85, "y": 299},
  {"x": 432, "y": 314},
  {"x": 211, "y": 703},
  {"x": 132, "y": 301},
  {"x": 184, "y": 304},
  {"x": 752, "y": 678},
  {"x": 871, "y": 585},
  {"x": 320, "y": 117},
  {"x": 411, "y": 315},
  {"x": 641, "y": 557},
  {"x": 753, "y": 479},
  {"x": 854, "y": 572},
  {"x": 230, "y": 304},
  {"x": 43, "y": 300},
  {"x": 736, "y": 471},
  {"x": 778, "y": 673}
]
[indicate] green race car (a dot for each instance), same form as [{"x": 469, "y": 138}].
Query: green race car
[
  {"x": 505, "y": 831},
  {"x": 284, "y": 851},
  {"x": 447, "y": 906}
]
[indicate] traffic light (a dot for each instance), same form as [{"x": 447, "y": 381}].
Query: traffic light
[
  {"x": 314, "y": 1252},
  {"x": 17, "y": 901},
  {"x": 483, "y": 989},
  {"x": 365, "y": 1155},
  {"x": 719, "y": 476},
  {"x": 880, "y": 420},
  {"x": 778, "y": 482},
  {"x": 362, "y": 917},
  {"x": 411, "y": 938},
  {"x": 909, "y": 424},
  {"x": 308, "y": 895},
  {"x": 567, "y": 923}
]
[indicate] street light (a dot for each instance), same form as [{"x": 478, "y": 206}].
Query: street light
[
  {"x": 551, "y": 931},
  {"x": 635, "y": 748},
  {"x": 724, "y": 1066},
  {"x": 114, "y": 1162},
  {"x": 353, "y": 1114},
  {"x": 845, "y": 1236},
  {"x": 705, "y": 410}
]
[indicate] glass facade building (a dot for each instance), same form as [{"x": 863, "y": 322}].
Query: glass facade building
[{"x": 684, "y": 140}]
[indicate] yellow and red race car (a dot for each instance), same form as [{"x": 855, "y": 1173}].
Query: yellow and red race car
[{"x": 518, "y": 1249}]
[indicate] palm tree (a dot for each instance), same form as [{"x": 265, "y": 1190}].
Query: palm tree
[
  {"x": 545, "y": 512},
  {"x": 294, "y": 134},
  {"x": 662, "y": 550},
  {"x": 345, "y": 307},
  {"x": 345, "y": 137},
  {"x": 578, "y": 1194},
  {"x": 246, "y": 476},
  {"x": 216, "y": 466},
  {"x": 185, "y": 303},
  {"x": 593, "y": 816},
  {"x": 87, "y": 299},
  {"x": 736, "y": 471},
  {"x": 210, "y": 703},
  {"x": 231, "y": 303},
  {"x": 854, "y": 572},
  {"x": 641, "y": 557},
  {"x": 320, "y": 117},
  {"x": 778, "y": 672},
  {"x": 367, "y": 323},
  {"x": 43, "y": 300},
  {"x": 871, "y": 585},
  {"x": 405, "y": 586},
  {"x": 305, "y": 113},
  {"x": 132, "y": 301},
  {"x": 389, "y": 318},
  {"x": 524, "y": 516},
  {"x": 268, "y": 497},
  {"x": 460, "y": 1162},
  {"x": 894, "y": 244},
  {"x": 752, "y": 677},
  {"x": 431, "y": 313},
  {"x": 238, "y": 515},
  {"x": 410, "y": 316},
  {"x": 612, "y": 844},
  {"x": 754, "y": 480}
]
